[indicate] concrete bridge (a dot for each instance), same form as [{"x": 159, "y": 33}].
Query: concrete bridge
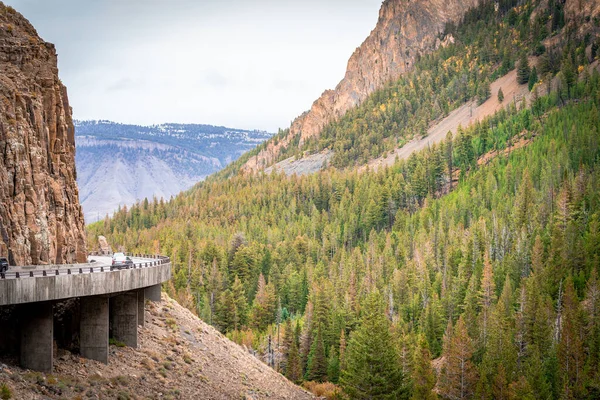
[{"x": 110, "y": 303}]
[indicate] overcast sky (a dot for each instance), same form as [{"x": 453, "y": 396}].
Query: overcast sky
[{"x": 254, "y": 64}]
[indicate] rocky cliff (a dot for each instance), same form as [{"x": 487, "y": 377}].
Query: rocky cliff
[
  {"x": 405, "y": 29},
  {"x": 40, "y": 216}
]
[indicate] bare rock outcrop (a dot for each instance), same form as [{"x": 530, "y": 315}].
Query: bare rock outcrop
[
  {"x": 40, "y": 217},
  {"x": 405, "y": 29}
]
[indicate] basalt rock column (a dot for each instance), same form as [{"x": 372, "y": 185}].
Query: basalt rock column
[{"x": 41, "y": 221}]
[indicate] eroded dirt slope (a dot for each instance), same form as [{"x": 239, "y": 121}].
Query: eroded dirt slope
[{"x": 179, "y": 357}]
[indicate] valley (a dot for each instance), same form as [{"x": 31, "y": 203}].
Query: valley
[
  {"x": 118, "y": 164},
  {"x": 429, "y": 229}
]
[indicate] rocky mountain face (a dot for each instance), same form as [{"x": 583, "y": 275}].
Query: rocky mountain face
[
  {"x": 405, "y": 29},
  {"x": 120, "y": 164},
  {"x": 40, "y": 217}
]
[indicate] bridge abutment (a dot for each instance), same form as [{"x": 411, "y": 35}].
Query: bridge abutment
[
  {"x": 37, "y": 336},
  {"x": 124, "y": 318},
  {"x": 94, "y": 328}
]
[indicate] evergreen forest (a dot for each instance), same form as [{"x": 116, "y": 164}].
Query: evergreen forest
[{"x": 469, "y": 270}]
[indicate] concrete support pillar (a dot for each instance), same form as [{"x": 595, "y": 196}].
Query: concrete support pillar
[
  {"x": 37, "y": 336},
  {"x": 141, "y": 304},
  {"x": 153, "y": 292},
  {"x": 93, "y": 334},
  {"x": 124, "y": 318}
]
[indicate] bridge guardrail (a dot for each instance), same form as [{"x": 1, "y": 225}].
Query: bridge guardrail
[{"x": 81, "y": 269}]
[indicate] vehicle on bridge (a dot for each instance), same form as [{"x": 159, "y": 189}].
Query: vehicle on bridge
[
  {"x": 3, "y": 264},
  {"x": 120, "y": 260}
]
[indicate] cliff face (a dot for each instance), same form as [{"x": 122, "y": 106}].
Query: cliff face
[
  {"x": 40, "y": 216},
  {"x": 405, "y": 29}
]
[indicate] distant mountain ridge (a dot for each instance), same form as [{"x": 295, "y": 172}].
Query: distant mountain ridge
[{"x": 118, "y": 164}]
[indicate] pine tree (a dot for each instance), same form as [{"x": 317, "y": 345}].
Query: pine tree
[
  {"x": 372, "y": 367},
  {"x": 500, "y": 95},
  {"x": 500, "y": 348},
  {"x": 264, "y": 305},
  {"x": 592, "y": 308},
  {"x": 524, "y": 201},
  {"x": 536, "y": 373},
  {"x": 500, "y": 386},
  {"x": 238, "y": 301},
  {"x": 293, "y": 369},
  {"x": 487, "y": 295},
  {"x": 570, "y": 348},
  {"x": 422, "y": 374},
  {"x": 316, "y": 369},
  {"x": 333, "y": 365},
  {"x": 523, "y": 70},
  {"x": 569, "y": 74},
  {"x": 449, "y": 157},
  {"x": 342, "y": 349},
  {"x": 459, "y": 375},
  {"x": 288, "y": 339},
  {"x": 533, "y": 78},
  {"x": 522, "y": 390}
]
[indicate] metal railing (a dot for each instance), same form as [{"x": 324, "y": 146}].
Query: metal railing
[{"x": 88, "y": 269}]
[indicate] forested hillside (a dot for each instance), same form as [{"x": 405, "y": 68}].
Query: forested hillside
[{"x": 468, "y": 270}]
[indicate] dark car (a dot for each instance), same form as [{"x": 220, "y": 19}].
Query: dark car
[
  {"x": 3, "y": 265},
  {"x": 120, "y": 260}
]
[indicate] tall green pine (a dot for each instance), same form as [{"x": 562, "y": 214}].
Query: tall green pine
[{"x": 372, "y": 366}]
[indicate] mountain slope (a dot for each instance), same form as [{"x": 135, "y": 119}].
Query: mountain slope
[
  {"x": 405, "y": 30},
  {"x": 120, "y": 164},
  {"x": 40, "y": 216},
  {"x": 486, "y": 243},
  {"x": 179, "y": 357}
]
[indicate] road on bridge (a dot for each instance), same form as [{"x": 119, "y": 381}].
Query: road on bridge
[{"x": 95, "y": 264}]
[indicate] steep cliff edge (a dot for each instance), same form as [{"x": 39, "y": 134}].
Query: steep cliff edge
[
  {"x": 404, "y": 30},
  {"x": 40, "y": 217}
]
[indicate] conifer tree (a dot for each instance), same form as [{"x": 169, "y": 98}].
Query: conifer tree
[
  {"x": 422, "y": 374},
  {"x": 536, "y": 373},
  {"x": 500, "y": 386},
  {"x": 523, "y": 70},
  {"x": 459, "y": 375},
  {"x": 316, "y": 369},
  {"x": 342, "y": 349},
  {"x": 592, "y": 308},
  {"x": 570, "y": 348},
  {"x": 533, "y": 78},
  {"x": 372, "y": 367},
  {"x": 263, "y": 307},
  {"x": 524, "y": 201},
  {"x": 239, "y": 303},
  {"x": 522, "y": 390},
  {"x": 487, "y": 295},
  {"x": 293, "y": 369},
  {"x": 288, "y": 338},
  {"x": 333, "y": 365},
  {"x": 500, "y": 95}
]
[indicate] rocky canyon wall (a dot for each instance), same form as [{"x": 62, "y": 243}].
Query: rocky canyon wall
[
  {"x": 40, "y": 217},
  {"x": 405, "y": 29}
]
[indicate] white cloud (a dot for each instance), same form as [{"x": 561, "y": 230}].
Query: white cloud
[{"x": 239, "y": 63}]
